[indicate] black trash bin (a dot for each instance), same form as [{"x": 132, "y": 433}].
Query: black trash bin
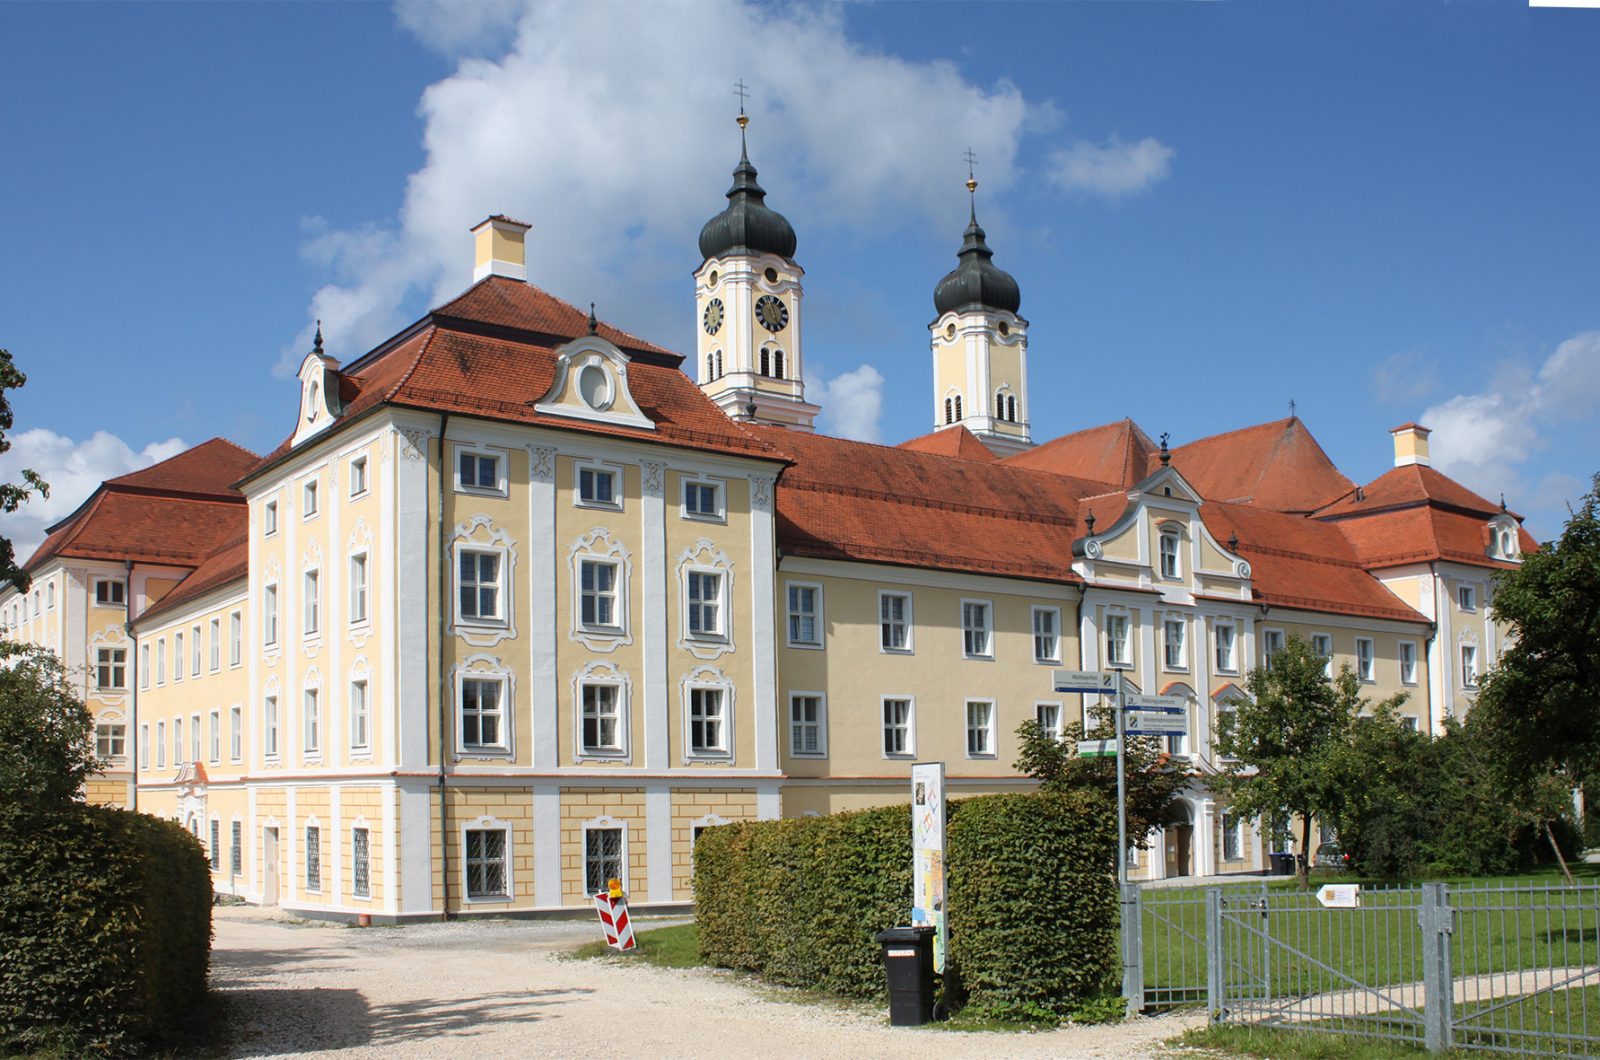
[
  {"x": 1282, "y": 864},
  {"x": 908, "y": 961}
]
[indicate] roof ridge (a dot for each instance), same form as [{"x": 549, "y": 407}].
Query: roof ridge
[
  {"x": 1311, "y": 557},
  {"x": 923, "y": 502}
]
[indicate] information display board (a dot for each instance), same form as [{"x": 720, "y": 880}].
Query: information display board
[{"x": 927, "y": 852}]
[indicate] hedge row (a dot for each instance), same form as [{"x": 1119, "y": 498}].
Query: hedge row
[
  {"x": 105, "y": 930},
  {"x": 1031, "y": 893}
]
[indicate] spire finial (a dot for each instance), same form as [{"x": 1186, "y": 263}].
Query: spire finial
[
  {"x": 972, "y": 181},
  {"x": 1166, "y": 456},
  {"x": 1292, "y": 407},
  {"x": 316, "y": 343},
  {"x": 594, "y": 325},
  {"x": 1088, "y": 522},
  {"x": 1233, "y": 541},
  {"x": 741, "y": 90},
  {"x": 1502, "y": 502}
]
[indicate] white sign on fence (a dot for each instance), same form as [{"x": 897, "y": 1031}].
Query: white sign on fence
[
  {"x": 1340, "y": 896},
  {"x": 927, "y": 854}
]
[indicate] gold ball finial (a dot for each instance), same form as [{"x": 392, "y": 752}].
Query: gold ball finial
[
  {"x": 743, "y": 119},
  {"x": 972, "y": 184}
]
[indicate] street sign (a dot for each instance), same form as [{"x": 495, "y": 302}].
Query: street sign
[
  {"x": 1089, "y": 682},
  {"x": 1340, "y": 896},
  {"x": 1156, "y": 722},
  {"x": 1167, "y": 703},
  {"x": 1097, "y": 748}
]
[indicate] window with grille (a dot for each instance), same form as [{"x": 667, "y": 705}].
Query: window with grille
[
  {"x": 1173, "y": 643},
  {"x": 1227, "y": 662},
  {"x": 705, "y": 604},
  {"x": 358, "y": 715},
  {"x": 980, "y": 729},
  {"x": 236, "y": 849},
  {"x": 110, "y": 740},
  {"x": 358, "y": 588},
  {"x": 485, "y": 861},
  {"x": 1117, "y": 640},
  {"x": 1046, "y": 634},
  {"x": 108, "y": 593},
  {"x": 216, "y": 844},
  {"x": 360, "y": 863},
  {"x": 602, "y": 858},
  {"x": 313, "y": 858}
]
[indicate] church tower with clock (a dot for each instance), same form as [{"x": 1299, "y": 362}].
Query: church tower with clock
[{"x": 747, "y": 300}]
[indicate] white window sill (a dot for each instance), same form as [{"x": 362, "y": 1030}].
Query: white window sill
[
  {"x": 358, "y": 496},
  {"x": 612, "y": 757},
  {"x": 895, "y": 651},
  {"x": 603, "y": 506},
  {"x": 478, "y": 491},
  {"x": 1046, "y": 662},
  {"x": 696, "y": 517},
  {"x": 471, "y": 625},
  {"x": 707, "y": 638},
  {"x": 813, "y": 756},
  {"x": 488, "y": 899},
  {"x": 709, "y": 756},
  {"x": 804, "y": 646},
  {"x": 464, "y": 754},
  {"x": 978, "y": 658},
  {"x": 984, "y": 756},
  {"x": 601, "y": 631}
]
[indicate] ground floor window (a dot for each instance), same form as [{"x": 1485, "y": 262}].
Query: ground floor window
[
  {"x": 236, "y": 854},
  {"x": 602, "y": 858},
  {"x": 110, "y": 741},
  {"x": 1232, "y": 837},
  {"x": 486, "y": 863},
  {"x": 360, "y": 866},
  {"x": 313, "y": 858},
  {"x": 216, "y": 844}
]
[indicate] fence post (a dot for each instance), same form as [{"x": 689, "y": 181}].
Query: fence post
[
  {"x": 1215, "y": 1002},
  {"x": 1133, "y": 947},
  {"x": 1437, "y": 980}
]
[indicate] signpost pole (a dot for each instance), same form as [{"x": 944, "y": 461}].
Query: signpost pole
[{"x": 1130, "y": 990}]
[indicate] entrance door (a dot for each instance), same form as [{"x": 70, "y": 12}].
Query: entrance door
[
  {"x": 1178, "y": 837},
  {"x": 269, "y": 852}
]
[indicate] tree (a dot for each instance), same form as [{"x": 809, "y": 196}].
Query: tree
[
  {"x": 1286, "y": 741},
  {"x": 46, "y": 733},
  {"x": 12, "y": 495},
  {"x": 1540, "y": 705},
  {"x": 1151, "y": 781}
]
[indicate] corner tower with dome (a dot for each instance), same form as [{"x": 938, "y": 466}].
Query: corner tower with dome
[
  {"x": 747, "y": 300},
  {"x": 980, "y": 347}
]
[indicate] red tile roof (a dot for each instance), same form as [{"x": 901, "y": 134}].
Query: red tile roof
[
  {"x": 952, "y": 441},
  {"x": 1276, "y": 465},
  {"x": 511, "y": 303},
  {"x": 1409, "y": 485},
  {"x": 1118, "y": 453},
  {"x": 230, "y": 564},
  {"x": 208, "y": 468}
]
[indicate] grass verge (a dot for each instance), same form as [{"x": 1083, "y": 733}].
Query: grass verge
[
  {"x": 669, "y": 947},
  {"x": 1295, "y": 1045}
]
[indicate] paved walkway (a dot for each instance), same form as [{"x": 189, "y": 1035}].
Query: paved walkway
[{"x": 503, "y": 989}]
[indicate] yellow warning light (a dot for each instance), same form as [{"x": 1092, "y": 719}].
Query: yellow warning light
[{"x": 614, "y": 885}]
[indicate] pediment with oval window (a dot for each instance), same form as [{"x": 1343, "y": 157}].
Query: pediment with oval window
[{"x": 591, "y": 383}]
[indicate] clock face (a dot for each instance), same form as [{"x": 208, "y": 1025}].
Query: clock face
[
  {"x": 713, "y": 317},
  {"x": 773, "y": 314}
]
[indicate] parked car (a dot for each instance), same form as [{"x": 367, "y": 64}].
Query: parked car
[{"x": 1331, "y": 855}]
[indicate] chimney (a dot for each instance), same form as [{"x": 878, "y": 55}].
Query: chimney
[
  {"x": 498, "y": 241},
  {"x": 1410, "y": 444}
]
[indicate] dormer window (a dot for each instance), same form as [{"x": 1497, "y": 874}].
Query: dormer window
[{"x": 1169, "y": 554}]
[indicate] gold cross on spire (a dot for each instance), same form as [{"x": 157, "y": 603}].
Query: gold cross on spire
[
  {"x": 972, "y": 181},
  {"x": 741, "y": 90}
]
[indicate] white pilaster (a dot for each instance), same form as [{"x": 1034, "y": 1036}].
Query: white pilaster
[
  {"x": 763, "y": 561},
  {"x": 410, "y": 614},
  {"x": 391, "y": 850},
  {"x": 547, "y": 845},
  {"x": 417, "y": 846},
  {"x": 658, "y": 840},
  {"x": 543, "y": 690},
  {"x": 653, "y": 576}
]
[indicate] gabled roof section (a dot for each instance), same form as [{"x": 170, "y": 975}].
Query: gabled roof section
[
  {"x": 856, "y": 501},
  {"x": 230, "y": 564},
  {"x": 954, "y": 441},
  {"x": 1277, "y": 465},
  {"x": 1118, "y": 453},
  {"x": 503, "y": 302},
  {"x": 210, "y": 468},
  {"x": 1407, "y": 486}
]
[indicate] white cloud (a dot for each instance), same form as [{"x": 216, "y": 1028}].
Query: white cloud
[
  {"x": 73, "y": 471},
  {"x": 459, "y": 28},
  {"x": 1405, "y": 378},
  {"x": 852, "y": 404},
  {"x": 609, "y": 128},
  {"x": 1112, "y": 168}
]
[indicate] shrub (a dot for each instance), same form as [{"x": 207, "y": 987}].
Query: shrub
[
  {"x": 1032, "y": 898},
  {"x": 105, "y": 930}
]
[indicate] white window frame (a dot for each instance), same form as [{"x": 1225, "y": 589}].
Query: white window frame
[
  {"x": 269, "y": 518},
  {"x": 1232, "y": 828},
  {"x": 1055, "y": 621},
  {"x": 105, "y": 659},
  {"x": 1366, "y": 665},
  {"x": 360, "y": 613},
  {"x": 1232, "y": 640},
  {"x": 235, "y": 734},
  {"x": 1467, "y": 598},
  {"x": 177, "y": 655},
  {"x": 1168, "y": 624},
  {"x": 144, "y": 746},
  {"x": 359, "y": 483},
  {"x": 1060, "y": 726},
  {"x": 120, "y": 588},
  {"x": 820, "y": 724},
  {"x": 177, "y": 740},
  {"x": 1267, "y": 648},
  {"x": 215, "y": 722},
  {"x": 477, "y": 453},
  {"x": 269, "y": 615},
  {"x": 720, "y": 490},
  {"x": 615, "y": 594},
  {"x": 50, "y": 596},
  {"x": 235, "y": 639},
  {"x": 721, "y": 633},
  {"x": 507, "y": 862},
  {"x": 606, "y": 824},
  {"x": 1123, "y": 658},
  {"x": 310, "y": 499},
  {"x": 107, "y": 734},
  {"x": 311, "y": 604},
  {"x": 1175, "y": 537},
  {"x": 1327, "y": 666},
  {"x": 618, "y": 484},
  {"x": 790, "y": 614},
  {"x": 1469, "y": 668},
  {"x": 363, "y": 859},
  {"x": 725, "y": 689},
  {"x": 311, "y": 722},
  {"x": 161, "y": 745},
  {"x": 987, "y": 629},
  {"x": 271, "y": 728},
  {"x": 214, "y": 627},
  {"x": 989, "y": 729},
  {"x": 910, "y": 749},
  {"x": 313, "y": 880},
  {"x": 619, "y": 690},
  {"x": 195, "y": 648},
  {"x": 360, "y": 719},
  {"x": 1227, "y": 708},
  {"x": 907, "y": 622},
  {"x": 161, "y": 662},
  {"x": 502, "y": 749},
  {"x": 1408, "y": 672},
  {"x": 499, "y": 620},
  {"x": 195, "y": 738},
  {"x": 144, "y": 665}
]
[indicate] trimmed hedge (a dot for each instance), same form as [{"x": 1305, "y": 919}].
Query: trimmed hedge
[
  {"x": 105, "y": 930},
  {"x": 1031, "y": 888}
]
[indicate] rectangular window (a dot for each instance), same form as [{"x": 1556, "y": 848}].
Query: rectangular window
[
  {"x": 976, "y": 636},
  {"x": 308, "y": 498},
  {"x": 478, "y": 471},
  {"x": 108, "y": 593},
  {"x": 602, "y": 719},
  {"x": 1467, "y": 596},
  {"x": 602, "y": 858},
  {"x": 485, "y": 861},
  {"x": 144, "y": 747},
  {"x": 1408, "y": 722},
  {"x": 110, "y": 741},
  {"x": 111, "y": 668},
  {"x": 708, "y": 722},
  {"x": 894, "y": 621},
  {"x": 1469, "y": 666},
  {"x": 216, "y": 844},
  {"x": 1048, "y": 715},
  {"x": 1178, "y": 743},
  {"x": 194, "y": 738},
  {"x": 358, "y": 716},
  {"x": 597, "y": 487},
  {"x": 1117, "y": 653},
  {"x": 1322, "y": 645},
  {"x": 269, "y": 725},
  {"x": 358, "y": 476},
  {"x": 805, "y": 605},
  {"x": 313, "y": 858},
  {"x": 1169, "y": 555},
  {"x": 235, "y": 639},
  {"x": 161, "y": 661},
  {"x": 479, "y": 585},
  {"x": 705, "y": 604},
  {"x": 1408, "y": 662},
  {"x": 807, "y": 725},
  {"x": 269, "y": 615},
  {"x": 1227, "y": 662},
  {"x": 195, "y": 647},
  {"x": 358, "y": 589},
  {"x": 1172, "y": 643},
  {"x": 313, "y": 722},
  {"x": 482, "y": 715},
  {"x": 1271, "y": 644},
  {"x": 215, "y": 732},
  {"x": 360, "y": 863},
  {"x": 1366, "y": 661},
  {"x": 50, "y": 597},
  {"x": 1232, "y": 837},
  {"x": 216, "y": 644},
  {"x": 161, "y": 744},
  {"x": 144, "y": 666},
  {"x": 702, "y": 500},
  {"x": 897, "y": 731},
  {"x": 235, "y": 734},
  {"x": 236, "y": 849},
  {"x": 177, "y": 656},
  {"x": 269, "y": 518},
  {"x": 313, "y": 603},
  {"x": 597, "y": 594},
  {"x": 1046, "y": 635},
  {"x": 177, "y": 741},
  {"x": 980, "y": 729},
  {"x": 1227, "y": 716}
]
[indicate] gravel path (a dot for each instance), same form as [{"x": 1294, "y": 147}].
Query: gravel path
[{"x": 503, "y": 989}]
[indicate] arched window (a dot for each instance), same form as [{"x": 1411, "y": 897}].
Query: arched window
[
  {"x": 999, "y": 406},
  {"x": 1011, "y": 408},
  {"x": 777, "y": 364},
  {"x": 958, "y": 408},
  {"x": 717, "y": 369},
  {"x": 1169, "y": 554},
  {"x": 949, "y": 414},
  {"x": 766, "y": 361}
]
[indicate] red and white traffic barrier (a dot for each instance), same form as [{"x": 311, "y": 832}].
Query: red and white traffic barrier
[{"x": 613, "y": 909}]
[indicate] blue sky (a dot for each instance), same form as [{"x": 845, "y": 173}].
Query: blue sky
[{"x": 1382, "y": 212}]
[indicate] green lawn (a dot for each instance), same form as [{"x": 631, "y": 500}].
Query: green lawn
[{"x": 668, "y": 947}]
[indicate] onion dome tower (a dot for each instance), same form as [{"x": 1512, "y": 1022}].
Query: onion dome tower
[
  {"x": 980, "y": 345},
  {"x": 747, "y": 306}
]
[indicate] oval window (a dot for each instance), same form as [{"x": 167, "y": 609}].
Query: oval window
[
  {"x": 949, "y": 331},
  {"x": 594, "y": 386},
  {"x": 771, "y": 274},
  {"x": 1005, "y": 329},
  {"x": 713, "y": 277}
]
